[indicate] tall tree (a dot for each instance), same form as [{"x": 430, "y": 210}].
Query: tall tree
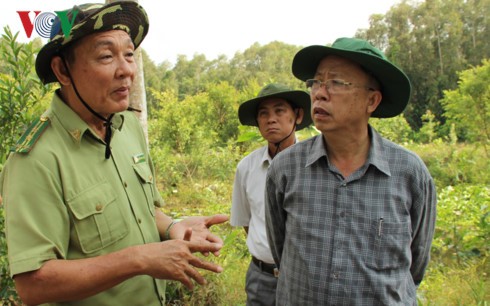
[
  {"x": 468, "y": 106},
  {"x": 431, "y": 41},
  {"x": 138, "y": 93}
]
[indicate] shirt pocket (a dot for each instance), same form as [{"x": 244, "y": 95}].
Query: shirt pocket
[
  {"x": 146, "y": 179},
  {"x": 391, "y": 245},
  {"x": 97, "y": 218}
]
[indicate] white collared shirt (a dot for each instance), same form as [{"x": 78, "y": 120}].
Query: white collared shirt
[{"x": 248, "y": 201}]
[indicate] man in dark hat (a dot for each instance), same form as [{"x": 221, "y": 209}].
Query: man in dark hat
[
  {"x": 278, "y": 112},
  {"x": 83, "y": 218},
  {"x": 350, "y": 215}
]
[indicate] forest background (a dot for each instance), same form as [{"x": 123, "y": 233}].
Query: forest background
[{"x": 196, "y": 140}]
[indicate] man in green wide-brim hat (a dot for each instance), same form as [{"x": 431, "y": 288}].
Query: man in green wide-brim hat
[
  {"x": 278, "y": 112},
  {"x": 83, "y": 222},
  {"x": 350, "y": 215}
]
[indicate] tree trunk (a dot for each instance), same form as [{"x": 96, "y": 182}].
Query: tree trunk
[{"x": 138, "y": 93}]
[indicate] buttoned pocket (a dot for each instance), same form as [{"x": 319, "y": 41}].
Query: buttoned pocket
[
  {"x": 391, "y": 245},
  {"x": 146, "y": 179},
  {"x": 97, "y": 218}
]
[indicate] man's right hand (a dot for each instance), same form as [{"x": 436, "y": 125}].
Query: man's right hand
[{"x": 174, "y": 260}]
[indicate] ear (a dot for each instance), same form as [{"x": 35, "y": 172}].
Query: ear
[
  {"x": 299, "y": 115},
  {"x": 374, "y": 100},
  {"x": 59, "y": 70}
]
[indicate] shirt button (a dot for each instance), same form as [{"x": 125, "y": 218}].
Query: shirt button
[
  {"x": 150, "y": 178},
  {"x": 98, "y": 207},
  {"x": 335, "y": 275},
  {"x": 139, "y": 220},
  {"x": 342, "y": 214},
  {"x": 125, "y": 185},
  {"x": 155, "y": 203}
]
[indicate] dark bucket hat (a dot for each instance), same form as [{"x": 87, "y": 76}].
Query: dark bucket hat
[
  {"x": 395, "y": 85},
  {"x": 91, "y": 18},
  {"x": 247, "y": 112}
]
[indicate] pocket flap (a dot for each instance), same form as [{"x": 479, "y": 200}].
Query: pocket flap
[
  {"x": 92, "y": 200},
  {"x": 144, "y": 172}
]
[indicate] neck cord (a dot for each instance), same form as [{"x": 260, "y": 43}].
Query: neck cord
[
  {"x": 277, "y": 144},
  {"x": 107, "y": 121}
]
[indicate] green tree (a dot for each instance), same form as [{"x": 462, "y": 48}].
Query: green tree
[
  {"x": 431, "y": 41},
  {"x": 265, "y": 64},
  {"x": 21, "y": 92},
  {"x": 395, "y": 129},
  {"x": 468, "y": 106}
]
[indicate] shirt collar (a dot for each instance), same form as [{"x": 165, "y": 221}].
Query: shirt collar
[
  {"x": 266, "y": 158},
  {"x": 376, "y": 155},
  {"x": 72, "y": 123},
  {"x": 317, "y": 150}
]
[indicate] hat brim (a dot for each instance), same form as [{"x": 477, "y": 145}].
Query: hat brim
[
  {"x": 128, "y": 16},
  {"x": 395, "y": 85},
  {"x": 247, "y": 112}
]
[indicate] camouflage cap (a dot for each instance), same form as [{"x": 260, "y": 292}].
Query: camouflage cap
[{"x": 91, "y": 18}]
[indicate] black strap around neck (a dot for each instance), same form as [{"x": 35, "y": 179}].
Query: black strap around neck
[{"x": 107, "y": 121}]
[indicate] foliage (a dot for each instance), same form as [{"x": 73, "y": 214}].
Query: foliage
[
  {"x": 21, "y": 91},
  {"x": 395, "y": 129},
  {"x": 431, "y": 41},
  {"x": 193, "y": 138},
  {"x": 463, "y": 224},
  {"x": 468, "y": 106},
  {"x": 458, "y": 271},
  {"x": 454, "y": 164},
  {"x": 464, "y": 284}
]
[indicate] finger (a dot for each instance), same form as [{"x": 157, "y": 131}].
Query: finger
[
  {"x": 195, "y": 275},
  {"x": 213, "y": 238},
  {"x": 216, "y": 219},
  {"x": 203, "y": 246},
  {"x": 188, "y": 234},
  {"x": 207, "y": 265},
  {"x": 187, "y": 282}
]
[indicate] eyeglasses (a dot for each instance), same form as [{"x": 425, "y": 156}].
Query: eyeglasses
[{"x": 333, "y": 86}]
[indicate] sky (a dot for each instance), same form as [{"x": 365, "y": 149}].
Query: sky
[{"x": 224, "y": 27}]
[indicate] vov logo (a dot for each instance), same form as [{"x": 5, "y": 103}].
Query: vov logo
[{"x": 43, "y": 22}]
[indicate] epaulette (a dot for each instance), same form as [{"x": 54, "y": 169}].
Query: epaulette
[{"x": 27, "y": 141}]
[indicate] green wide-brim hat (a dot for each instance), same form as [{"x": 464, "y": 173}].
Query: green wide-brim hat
[
  {"x": 91, "y": 18},
  {"x": 395, "y": 85},
  {"x": 247, "y": 112}
]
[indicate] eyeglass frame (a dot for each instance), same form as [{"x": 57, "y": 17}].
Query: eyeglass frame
[{"x": 332, "y": 82}]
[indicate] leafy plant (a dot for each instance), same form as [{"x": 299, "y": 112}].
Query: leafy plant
[
  {"x": 463, "y": 223},
  {"x": 468, "y": 106},
  {"x": 21, "y": 92}
]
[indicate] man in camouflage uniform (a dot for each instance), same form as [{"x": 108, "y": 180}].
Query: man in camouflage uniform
[{"x": 83, "y": 218}]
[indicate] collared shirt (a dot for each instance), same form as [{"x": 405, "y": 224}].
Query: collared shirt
[
  {"x": 360, "y": 240},
  {"x": 64, "y": 200},
  {"x": 248, "y": 201}
]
